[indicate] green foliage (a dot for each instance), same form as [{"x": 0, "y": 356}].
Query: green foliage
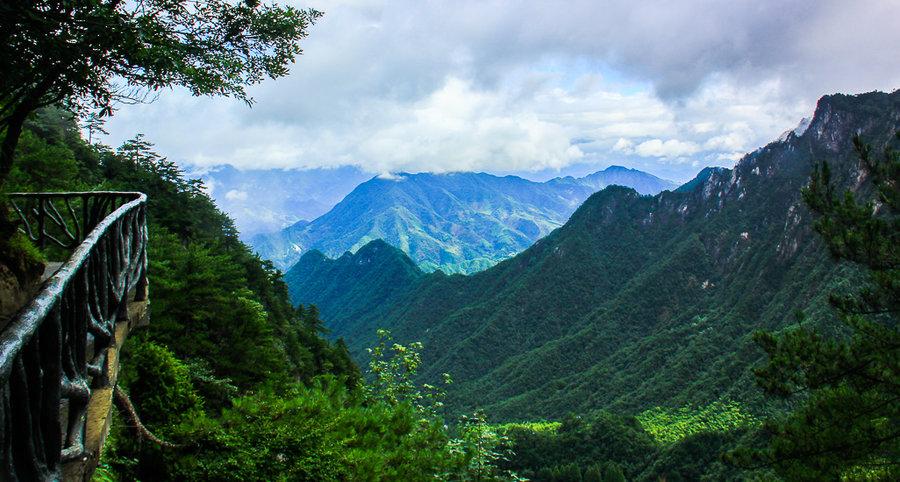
[
  {"x": 612, "y": 472},
  {"x": 22, "y": 247},
  {"x": 478, "y": 451},
  {"x": 848, "y": 383},
  {"x": 103, "y": 473},
  {"x": 162, "y": 384},
  {"x": 668, "y": 426},
  {"x": 604, "y": 446},
  {"x": 567, "y": 473},
  {"x": 529, "y": 427},
  {"x": 227, "y": 364},
  {"x": 594, "y": 473},
  {"x": 393, "y": 367},
  {"x": 540, "y": 449},
  {"x": 216, "y": 49},
  {"x": 206, "y": 311},
  {"x": 42, "y": 166},
  {"x": 698, "y": 457},
  {"x": 263, "y": 437}
]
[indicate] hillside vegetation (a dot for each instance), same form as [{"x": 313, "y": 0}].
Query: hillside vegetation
[
  {"x": 228, "y": 370},
  {"x": 637, "y": 301}
]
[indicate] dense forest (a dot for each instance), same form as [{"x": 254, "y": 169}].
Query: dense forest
[
  {"x": 246, "y": 388},
  {"x": 648, "y": 306}
]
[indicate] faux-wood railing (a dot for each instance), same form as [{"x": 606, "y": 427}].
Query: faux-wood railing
[{"x": 53, "y": 352}]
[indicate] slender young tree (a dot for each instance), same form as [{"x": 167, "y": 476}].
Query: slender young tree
[
  {"x": 86, "y": 54},
  {"x": 847, "y": 423}
]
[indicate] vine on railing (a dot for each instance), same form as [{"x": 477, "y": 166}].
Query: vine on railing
[{"x": 53, "y": 352}]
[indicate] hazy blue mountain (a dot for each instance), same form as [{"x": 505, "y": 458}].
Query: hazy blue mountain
[
  {"x": 455, "y": 222},
  {"x": 642, "y": 182},
  {"x": 267, "y": 200},
  {"x": 636, "y": 302}
]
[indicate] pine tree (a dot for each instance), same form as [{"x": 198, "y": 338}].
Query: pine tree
[
  {"x": 613, "y": 473},
  {"x": 594, "y": 473},
  {"x": 569, "y": 473},
  {"x": 847, "y": 423}
]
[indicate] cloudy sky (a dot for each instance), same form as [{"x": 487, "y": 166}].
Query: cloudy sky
[{"x": 536, "y": 88}]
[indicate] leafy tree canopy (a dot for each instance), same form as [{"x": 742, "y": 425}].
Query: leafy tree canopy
[{"x": 86, "y": 54}]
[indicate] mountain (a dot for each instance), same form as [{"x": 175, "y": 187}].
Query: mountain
[
  {"x": 642, "y": 182},
  {"x": 637, "y": 301},
  {"x": 267, "y": 200},
  {"x": 349, "y": 285},
  {"x": 455, "y": 222}
]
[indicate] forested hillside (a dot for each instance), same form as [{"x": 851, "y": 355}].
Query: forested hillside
[
  {"x": 239, "y": 380},
  {"x": 637, "y": 301},
  {"x": 456, "y": 222}
]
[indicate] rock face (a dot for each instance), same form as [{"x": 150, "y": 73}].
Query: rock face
[
  {"x": 19, "y": 282},
  {"x": 455, "y": 222},
  {"x": 637, "y": 301}
]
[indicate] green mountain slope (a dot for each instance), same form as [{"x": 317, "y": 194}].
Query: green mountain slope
[
  {"x": 636, "y": 301},
  {"x": 381, "y": 272},
  {"x": 456, "y": 222}
]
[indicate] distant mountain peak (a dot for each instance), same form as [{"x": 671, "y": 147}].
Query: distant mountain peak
[{"x": 642, "y": 182}]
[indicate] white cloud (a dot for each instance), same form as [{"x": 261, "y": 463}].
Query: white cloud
[
  {"x": 389, "y": 176},
  {"x": 624, "y": 145},
  {"x": 460, "y": 129},
  {"x": 235, "y": 195},
  {"x": 731, "y": 141},
  {"x": 667, "y": 149},
  {"x": 408, "y": 85}
]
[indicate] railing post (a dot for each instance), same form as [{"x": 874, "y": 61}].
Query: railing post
[{"x": 41, "y": 236}]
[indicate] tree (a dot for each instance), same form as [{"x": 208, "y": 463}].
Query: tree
[
  {"x": 613, "y": 473},
  {"x": 76, "y": 52},
  {"x": 848, "y": 422},
  {"x": 478, "y": 451},
  {"x": 568, "y": 473},
  {"x": 594, "y": 473}
]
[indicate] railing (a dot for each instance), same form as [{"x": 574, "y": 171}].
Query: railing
[{"x": 53, "y": 351}]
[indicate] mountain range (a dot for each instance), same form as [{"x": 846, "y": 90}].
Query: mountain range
[
  {"x": 636, "y": 302},
  {"x": 455, "y": 222}
]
